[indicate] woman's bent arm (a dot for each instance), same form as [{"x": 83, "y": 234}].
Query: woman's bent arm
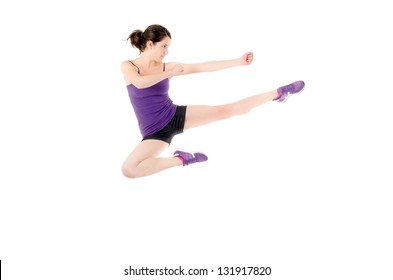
[{"x": 132, "y": 77}]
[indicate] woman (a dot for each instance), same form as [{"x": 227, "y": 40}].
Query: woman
[{"x": 147, "y": 79}]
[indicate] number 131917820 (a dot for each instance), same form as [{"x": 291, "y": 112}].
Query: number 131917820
[{"x": 250, "y": 270}]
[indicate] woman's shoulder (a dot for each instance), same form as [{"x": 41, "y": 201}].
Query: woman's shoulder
[
  {"x": 128, "y": 65},
  {"x": 125, "y": 64},
  {"x": 169, "y": 64}
]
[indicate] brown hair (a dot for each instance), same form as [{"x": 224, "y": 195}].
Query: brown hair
[{"x": 155, "y": 33}]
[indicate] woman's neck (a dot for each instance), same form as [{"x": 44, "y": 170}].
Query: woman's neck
[{"x": 147, "y": 62}]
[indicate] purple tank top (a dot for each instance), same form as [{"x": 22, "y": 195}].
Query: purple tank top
[{"x": 152, "y": 105}]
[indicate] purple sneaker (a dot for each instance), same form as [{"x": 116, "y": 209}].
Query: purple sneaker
[
  {"x": 285, "y": 91},
  {"x": 189, "y": 158}
]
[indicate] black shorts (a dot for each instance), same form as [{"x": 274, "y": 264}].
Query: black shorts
[{"x": 174, "y": 127}]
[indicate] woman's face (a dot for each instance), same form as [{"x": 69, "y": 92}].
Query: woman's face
[{"x": 160, "y": 49}]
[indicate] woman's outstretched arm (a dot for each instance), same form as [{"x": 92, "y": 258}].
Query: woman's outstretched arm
[{"x": 211, "y": 66}]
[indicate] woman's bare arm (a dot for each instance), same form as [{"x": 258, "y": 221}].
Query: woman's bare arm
[
  {"x": 211, "y": 66},
  {"x": 131, "y": 75}
]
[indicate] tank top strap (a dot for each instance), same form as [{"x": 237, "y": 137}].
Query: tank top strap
[{"x": 139, "y": 71}]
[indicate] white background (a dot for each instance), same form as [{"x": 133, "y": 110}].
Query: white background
[{"x": 302, "y": 187}]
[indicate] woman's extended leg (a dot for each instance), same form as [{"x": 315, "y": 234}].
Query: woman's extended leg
[
  {"x": 143, "y": 159},
  {"x": 198, "y": 115},
  {"x": 201, "y": 115}
]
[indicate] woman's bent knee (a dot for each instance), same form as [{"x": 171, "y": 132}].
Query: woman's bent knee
[{"x": 129, "y": 171}]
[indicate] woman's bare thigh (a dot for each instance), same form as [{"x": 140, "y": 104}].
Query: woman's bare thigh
[
  {"x": 198, "y": 115},
  {"x": 146, "y": 149}
]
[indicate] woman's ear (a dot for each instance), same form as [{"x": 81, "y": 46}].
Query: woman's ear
[{"x": 149, "y": 44}]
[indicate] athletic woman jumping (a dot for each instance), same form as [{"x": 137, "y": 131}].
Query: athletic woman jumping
[{"x": 147, "y": 79}]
